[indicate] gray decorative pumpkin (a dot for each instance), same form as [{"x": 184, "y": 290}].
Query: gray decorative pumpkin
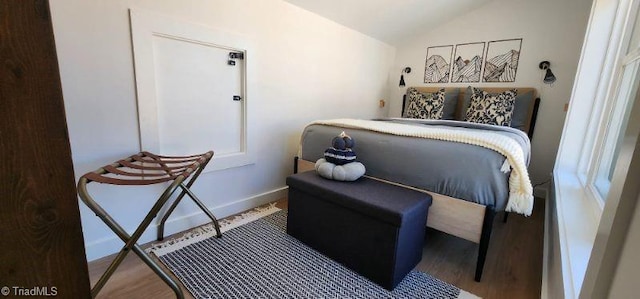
[
  {"x": 343, "y": 141},
  {"x": 340, "y": 152}
]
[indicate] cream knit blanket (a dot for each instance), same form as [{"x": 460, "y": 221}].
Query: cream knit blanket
[{"x": 520, "y": 189}]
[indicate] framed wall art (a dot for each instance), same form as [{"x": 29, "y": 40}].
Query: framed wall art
[
  {"x": 502, "y": 60},
  {"x": 467, "y": 62},
  {"x": 438, "y": 64}
]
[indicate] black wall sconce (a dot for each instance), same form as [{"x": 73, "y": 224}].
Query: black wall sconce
[
  {"x": 405, "y": 70},
  {"x": 549, "y": 77}
]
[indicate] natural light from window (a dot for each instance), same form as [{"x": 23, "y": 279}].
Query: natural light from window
[
  {"x": 625, "y": 91},
  {"x": 608, "y": 80},
  {"x": 613, "y": 139}
]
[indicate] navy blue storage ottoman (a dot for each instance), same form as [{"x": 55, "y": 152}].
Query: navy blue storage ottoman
[{"x": 374, "y": 228}]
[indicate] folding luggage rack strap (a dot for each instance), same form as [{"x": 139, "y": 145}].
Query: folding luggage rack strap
[{"x": 146, "y": 168}]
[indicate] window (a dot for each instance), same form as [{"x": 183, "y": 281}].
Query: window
[
  {"x": 624, "y": 88},
  {"x": 618, "y": 121},
  {"x": 606, "y": 83}
]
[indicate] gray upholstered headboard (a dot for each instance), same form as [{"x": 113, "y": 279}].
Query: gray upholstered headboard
[{"x": 525, "y": 110}]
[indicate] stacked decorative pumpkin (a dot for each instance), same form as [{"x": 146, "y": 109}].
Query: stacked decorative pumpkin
[{"x": 339, "y": 162}]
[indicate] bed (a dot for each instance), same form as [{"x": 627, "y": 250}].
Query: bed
[{"x": 469, "y": 183}]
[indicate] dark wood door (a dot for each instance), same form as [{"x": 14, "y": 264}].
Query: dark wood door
[{"x": 41, "y": 244}]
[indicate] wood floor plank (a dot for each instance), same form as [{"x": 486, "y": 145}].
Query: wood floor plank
[
  {"x": 513, "y": 267},
  {"x": 133, "y": 279}
]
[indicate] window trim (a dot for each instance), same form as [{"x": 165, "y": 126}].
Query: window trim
[
  {"x": 618, "y": 44},
  {"x": 608, "y": 88},
  {"x": 577, "y": 207},
  {"x": 623, "y": 96}
]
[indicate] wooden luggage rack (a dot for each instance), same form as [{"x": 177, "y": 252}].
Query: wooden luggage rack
[{"x": 146, "y": 168}]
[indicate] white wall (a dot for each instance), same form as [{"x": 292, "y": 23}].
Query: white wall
[
  {"x": 306, "y": 68},
  {"x": 551, "y": 30}
]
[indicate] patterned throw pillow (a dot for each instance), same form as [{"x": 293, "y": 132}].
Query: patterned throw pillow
[
  {"x": 492, "y": 109},
  {"x": 425, "y": 105}
]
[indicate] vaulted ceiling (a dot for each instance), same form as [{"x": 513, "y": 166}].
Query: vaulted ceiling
[{"x": 390, "y": 21}]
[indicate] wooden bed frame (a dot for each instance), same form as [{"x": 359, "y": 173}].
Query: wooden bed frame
[{"x": 458, "y": 217}]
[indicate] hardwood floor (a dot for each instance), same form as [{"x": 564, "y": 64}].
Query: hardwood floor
[{"x": 513, "y": 267}]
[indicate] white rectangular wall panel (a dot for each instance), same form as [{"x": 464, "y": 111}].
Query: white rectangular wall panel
[{"x": 186, "y": 90}]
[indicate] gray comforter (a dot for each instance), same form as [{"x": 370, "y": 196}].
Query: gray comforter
[{"x": 458, "y": 170}]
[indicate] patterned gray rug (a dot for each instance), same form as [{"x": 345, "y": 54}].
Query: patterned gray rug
[{"x": 259, "y": 260}]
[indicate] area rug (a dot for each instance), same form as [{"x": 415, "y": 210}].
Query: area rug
[{"x": 257, "y": 259}]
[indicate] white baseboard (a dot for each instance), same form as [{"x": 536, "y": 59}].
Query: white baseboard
[{"x": 107, "y": 246}]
